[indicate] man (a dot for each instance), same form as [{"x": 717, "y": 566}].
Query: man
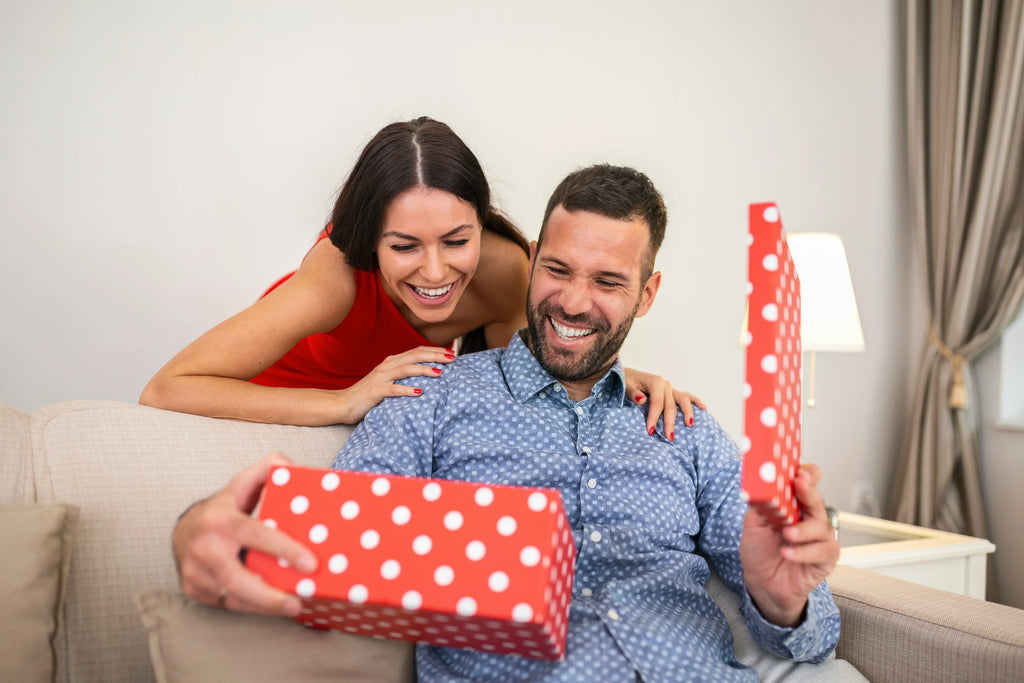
[{"x": 549, "y": 410}]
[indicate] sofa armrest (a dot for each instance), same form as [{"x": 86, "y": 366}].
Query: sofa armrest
[{"x": 894, "y": 630}]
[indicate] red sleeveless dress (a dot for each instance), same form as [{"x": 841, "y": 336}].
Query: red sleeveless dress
[{"x": 372, "y": 330}]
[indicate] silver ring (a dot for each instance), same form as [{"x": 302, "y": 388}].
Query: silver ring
[{"x": 222, "y": 597}]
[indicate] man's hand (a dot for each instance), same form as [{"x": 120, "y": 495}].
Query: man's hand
[
  {"x": 780, "y": 568},
  {"x": 209, "y": 536}
]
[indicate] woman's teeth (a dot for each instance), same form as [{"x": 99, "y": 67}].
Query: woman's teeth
[
  {"x": 433, "y": 293},
  {"x": 570, "y": 332}
]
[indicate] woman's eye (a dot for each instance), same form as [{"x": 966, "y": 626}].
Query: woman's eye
[
  {"x": 457, "y": 243},
  {"x": 402, "y": 247}
]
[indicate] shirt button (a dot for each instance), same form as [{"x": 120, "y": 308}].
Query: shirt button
[
  {"x": 592, "y": 483},
  {"x": 613, "y": 615},
  {"x": 595, "y": 536},
  {"x": 543, "y": 393},
  {"x": 558, "y": 387},
  {"x": 579, "y": 410},
  {"x": 586, "y": 592}
]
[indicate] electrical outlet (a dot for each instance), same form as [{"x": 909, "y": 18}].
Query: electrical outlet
[{"x": 863, "y": 500}]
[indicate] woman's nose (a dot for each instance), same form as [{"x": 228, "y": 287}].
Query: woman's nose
[{"x": 434, "y": 268}]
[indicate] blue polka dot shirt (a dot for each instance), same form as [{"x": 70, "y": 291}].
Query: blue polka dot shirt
[{"x": 648, "y": 515}]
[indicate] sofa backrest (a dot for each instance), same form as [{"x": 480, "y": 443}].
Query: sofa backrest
[
  {"x": 133, "y": 470},
  {"x": 15, "y": 457}
]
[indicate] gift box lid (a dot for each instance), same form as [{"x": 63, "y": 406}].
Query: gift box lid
[{"x": 772, "y": 429}]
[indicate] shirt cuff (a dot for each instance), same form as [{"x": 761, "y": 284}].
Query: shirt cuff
[{"x": 812, "y": 640}]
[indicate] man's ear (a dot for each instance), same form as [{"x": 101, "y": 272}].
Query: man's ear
[
  {"x": 647, "y": 295},
  {"x": 533, "y": 253}
]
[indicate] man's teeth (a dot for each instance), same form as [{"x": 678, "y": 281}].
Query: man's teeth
[
  {"x": 422, "y": 291},
  {"x": 570, "y": 332}
]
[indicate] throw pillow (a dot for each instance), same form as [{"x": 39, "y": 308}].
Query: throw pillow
[
  {"x": 35, "y": 554},
  {"x": 193, "y": 643}
]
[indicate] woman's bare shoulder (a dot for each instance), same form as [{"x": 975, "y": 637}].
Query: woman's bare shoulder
[
  {"x": 324, "y": 285},
  {"x": 503, "y": 273}
]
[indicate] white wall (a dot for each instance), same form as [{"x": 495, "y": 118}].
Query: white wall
[{"x": 161, "y": 164}]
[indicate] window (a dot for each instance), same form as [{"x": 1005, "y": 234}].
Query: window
[{"x": 1011, "y": 381}]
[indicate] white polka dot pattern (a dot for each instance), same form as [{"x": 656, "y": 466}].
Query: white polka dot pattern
[
  {"x": 441, "y": 562},
  {"x": 664, "y": 510},
  {"x": 771, "y": 441}
]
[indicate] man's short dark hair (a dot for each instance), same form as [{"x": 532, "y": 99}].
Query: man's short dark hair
[{"x": 617, "y": 192}]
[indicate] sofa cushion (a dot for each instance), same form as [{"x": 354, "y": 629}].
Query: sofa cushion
[
  {"x": 193, "y": 643},
  {"x": 35, "y": 554},
  {"x": 132, "y": 470},
  {"x": 770, "y": 667}
]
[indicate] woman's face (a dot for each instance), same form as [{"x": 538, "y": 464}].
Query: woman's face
[{"x": 428, "y": 250}]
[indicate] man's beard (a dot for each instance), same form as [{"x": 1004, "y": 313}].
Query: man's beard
[{"x": 565, "y": 365}]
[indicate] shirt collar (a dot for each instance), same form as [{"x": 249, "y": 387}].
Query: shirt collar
[{"x": 526, "y": 378}]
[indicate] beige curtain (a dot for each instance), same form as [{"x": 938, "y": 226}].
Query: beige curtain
[{"x": 965, "y": 115}]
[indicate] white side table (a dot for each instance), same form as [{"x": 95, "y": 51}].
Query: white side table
[{"x": 929, "y": 557}]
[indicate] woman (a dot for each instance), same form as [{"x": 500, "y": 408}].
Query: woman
[{"x": 413, "y": 260}]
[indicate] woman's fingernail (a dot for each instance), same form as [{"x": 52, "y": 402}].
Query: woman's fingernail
[
  {"x": 650, "y": 431},
  {"x": 417, "y": 391},
  {"x": 691, "y": 421},
  {"x": 671, "y": 436},
  {"x": 437, "y": 371},
  {"x": 639, "y": 398},
  {"x": 450, "y": 355}
]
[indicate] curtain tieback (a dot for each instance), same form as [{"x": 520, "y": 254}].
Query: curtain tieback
[{"x": 958, "y": 391}]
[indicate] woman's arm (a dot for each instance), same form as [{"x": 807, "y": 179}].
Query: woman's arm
[{"x": 210, "y": 376}]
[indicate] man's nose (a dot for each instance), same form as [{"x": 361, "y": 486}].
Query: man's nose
[{"x": 575, "y": 298}]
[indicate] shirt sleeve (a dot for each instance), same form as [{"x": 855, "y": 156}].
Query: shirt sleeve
[
  {"x": 397, "y": 436},
  {"x": 717, "y": 463}
]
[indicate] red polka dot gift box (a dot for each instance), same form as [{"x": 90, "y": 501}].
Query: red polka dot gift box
[
  {"x": 771, "y": 442},
  {"x": 448, "y": 563}
]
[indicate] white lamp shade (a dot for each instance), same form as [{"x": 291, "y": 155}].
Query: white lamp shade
[{"x": 828, "y": 308}]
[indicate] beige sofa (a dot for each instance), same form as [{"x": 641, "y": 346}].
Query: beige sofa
[{"x": 130, "y": 470}]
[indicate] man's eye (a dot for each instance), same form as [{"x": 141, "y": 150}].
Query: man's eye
[
  {"x": 607, "y": 284},
  {"x": 558, "y": 272}
]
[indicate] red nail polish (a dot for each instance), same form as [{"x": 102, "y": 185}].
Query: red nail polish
[
  {"x": 639, "y": 398},
  {"x": 450, "y": 356},
  {"x": 691, "y": 421},
  {"x": 671, "y": 436},
  {"x": 650, "y": 431},
  {"x": 437, "y": 371},
  {"x": 417, "y": 391}
]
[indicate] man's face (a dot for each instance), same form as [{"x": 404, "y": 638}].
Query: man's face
[{"x": 585, "y": 290}]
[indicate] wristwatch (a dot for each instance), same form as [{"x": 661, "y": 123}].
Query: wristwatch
[{"x": 833, "y": 519}]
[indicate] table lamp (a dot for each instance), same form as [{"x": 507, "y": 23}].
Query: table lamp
[{"x": 828, "y": 320}]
